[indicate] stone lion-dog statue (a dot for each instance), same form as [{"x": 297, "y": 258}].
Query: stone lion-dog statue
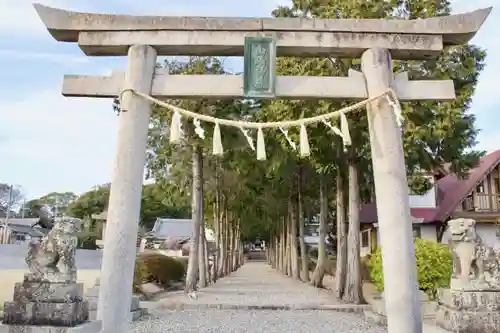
[
  {"x": 53, "y": 258},
  {"x": 471, "y": 257}
]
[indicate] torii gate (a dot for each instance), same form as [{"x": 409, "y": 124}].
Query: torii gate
[{"x": 142, "y": 38}]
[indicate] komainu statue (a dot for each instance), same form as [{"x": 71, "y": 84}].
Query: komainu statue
[
  {"x": 53, "y": 258},
  {"x": 475, "y": 264}
]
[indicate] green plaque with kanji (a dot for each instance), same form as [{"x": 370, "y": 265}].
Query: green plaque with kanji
[{"x": 259, "y": 76}]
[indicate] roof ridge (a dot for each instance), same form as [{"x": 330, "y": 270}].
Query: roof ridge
[{"x": 466, "y": 187}]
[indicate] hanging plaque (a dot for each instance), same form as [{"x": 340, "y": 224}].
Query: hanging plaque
[{"x": 259, "y": 76}]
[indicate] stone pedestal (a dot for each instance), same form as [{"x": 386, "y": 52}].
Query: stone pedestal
[
  {"x": 88, "y": 327},
  {"x": 465, "y": 311},
  {"x": 378, "y": 313},
  {"x": 92, "y": 296},
  {"x": 41, "y": 306}
]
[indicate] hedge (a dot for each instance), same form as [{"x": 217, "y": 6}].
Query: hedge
[
  {"x": 157, "y": 268},
  {"x": 434, "y": 267}
]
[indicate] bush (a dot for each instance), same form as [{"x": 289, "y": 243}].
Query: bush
[
  {"x": 365, "y": 268},
  {"x": 157, "y": 268},
  {"x": 434, "y": 267},
  {"x": 184, "y": 261},
  {"x": 87, "y": 242}
]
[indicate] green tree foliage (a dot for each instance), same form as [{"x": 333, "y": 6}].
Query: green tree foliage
[
  {"x": 434, "y": 132},
  {"x": 59, "y": 201},
  {"x": 155, "y": 203},
  {"x": 91, "y": 202}
]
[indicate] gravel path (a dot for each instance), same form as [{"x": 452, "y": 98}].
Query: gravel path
[
  {"x": 257, "y": 321},
  {"x": 254, "y": 285}
]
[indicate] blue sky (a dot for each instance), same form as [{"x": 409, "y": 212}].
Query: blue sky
[{"x": 52, "y": 143}]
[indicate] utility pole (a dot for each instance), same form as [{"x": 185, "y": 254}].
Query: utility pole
[
  {"x": 23, "y": 208},
  {"x": 9, "y": 205}
]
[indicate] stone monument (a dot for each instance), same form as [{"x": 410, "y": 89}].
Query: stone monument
[
  {"x": 472, "y": 304},
  {"x": 49, "y": 299}
]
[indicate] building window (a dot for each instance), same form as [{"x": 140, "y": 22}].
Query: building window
[
  {"x": 417, "y": 232},
  {"x": 18, "y": 238},
  {"x": 480, "y": 189},
  {"x": 365, "y": 238}
]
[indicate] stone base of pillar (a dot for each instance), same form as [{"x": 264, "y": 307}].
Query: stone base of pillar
[
  {"x": 92, "y": 296},
  {"x": 469, "y": 311},
  {"x": 378, "y": 314},
  {"x": 88, "y": 327},
  {"x": 42, "y": 306}
]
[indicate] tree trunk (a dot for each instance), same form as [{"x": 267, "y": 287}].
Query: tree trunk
[
  {"x": 230, "y": 247},
  {"x": 197, "y": 198},
  {"x": 353, "y": 292},
  {"x": 319, "y": 271},
  {"x": 213, "y": 268},
  {"x": 238, "y": 249},
  {"x": 282, "y": 247},
  {"x": 217, "y": 224},
  {"x": 276, "y": 250},
  {"x": 234, "y": 243},
  {"x": 215, "y": 263},
  {"x": 294, "y": 256},
  {"x": 269, "y": 252},
  {"x": 242, "y": 256},
  {"x": 303, "y": 250},
  {"x": 288, "y": 248},
  {"x": 207, "y": 259},
  {"x": 222, "y": 249},
  {"x": 202, "y": 257},
  {"x": 227, "y": 239},
  {"x": 340, "y": 275}
]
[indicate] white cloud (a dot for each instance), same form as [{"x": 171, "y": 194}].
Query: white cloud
[
  {"x": 484, "y": 100},
  {"x": 48, "y": 142},
  {"x": 258, "y": 8},
  {"x": 489, "y": 142},
  {"x": 58, "y": 58},
  {"x": 486, "y": 38},
  {"x": 51, "y": 142},
  {"x": 20, "y": 16}
]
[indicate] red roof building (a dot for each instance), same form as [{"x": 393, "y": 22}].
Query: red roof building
[{"x": 477, "y": 196}]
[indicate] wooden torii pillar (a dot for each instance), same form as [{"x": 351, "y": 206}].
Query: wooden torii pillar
[{"x": 374, "y": 41}]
